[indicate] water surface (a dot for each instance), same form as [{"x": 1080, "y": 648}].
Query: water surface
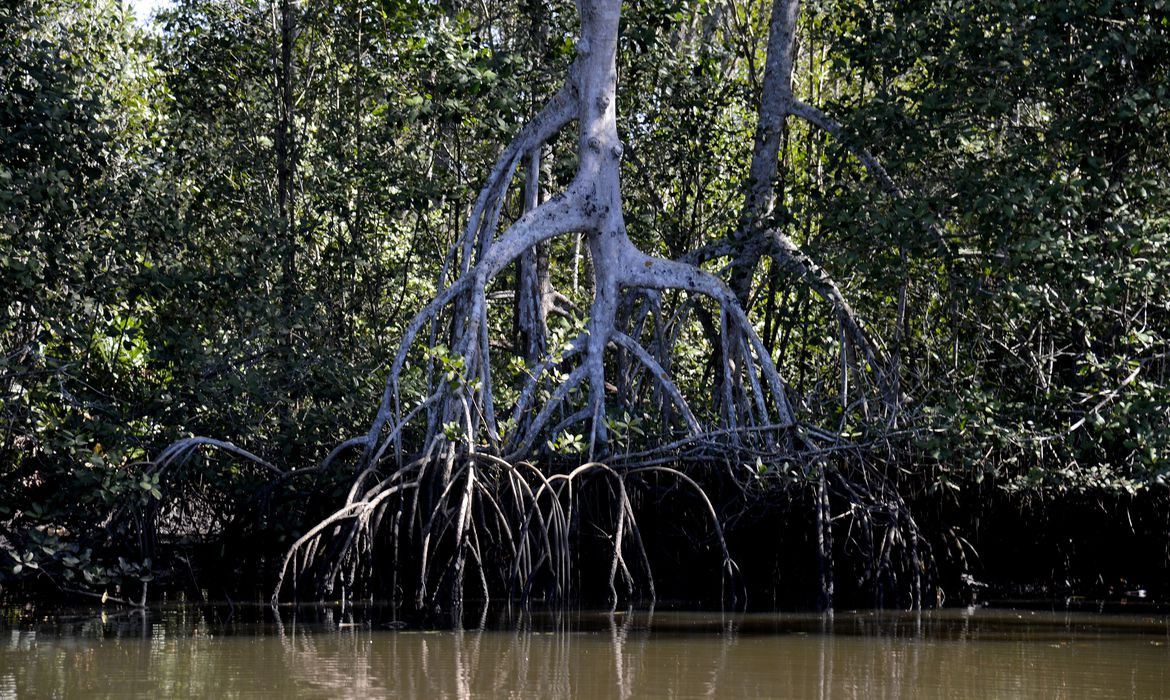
[{"x": 205, "y": 652}]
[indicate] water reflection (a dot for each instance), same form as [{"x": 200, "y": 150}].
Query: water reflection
[{"x": 192, "y": 652}]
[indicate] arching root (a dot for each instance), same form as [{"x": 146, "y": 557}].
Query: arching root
[
  {"x": 530, "y": 520},
  {"x": 442, "y": 484}
]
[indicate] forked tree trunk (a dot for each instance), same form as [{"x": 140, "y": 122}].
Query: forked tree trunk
[
  {"x": 775, "y": 101},
  {"x": 466, "y": 478},
  {"x": 757, "y": 235},
  {"x": 591, "y": 205}
]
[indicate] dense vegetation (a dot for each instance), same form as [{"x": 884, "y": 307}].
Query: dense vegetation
[{"x": 221, "y": 223}]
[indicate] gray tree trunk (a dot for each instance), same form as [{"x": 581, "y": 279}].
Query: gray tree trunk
[
  {"x": 533, "y": 289},
  {"x": 757, "y": 236},
  {"x": 592, "y": 206}
]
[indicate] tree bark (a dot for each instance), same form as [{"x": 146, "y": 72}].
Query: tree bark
[
  {"x": 591, "y": 205},
  {"x": 756, "y": 235},
  {"x": 775, "y": 105},
  {"x": 533, "y": 289}
]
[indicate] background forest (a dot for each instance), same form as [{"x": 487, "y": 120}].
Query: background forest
[{"x": 220, "y": 223}]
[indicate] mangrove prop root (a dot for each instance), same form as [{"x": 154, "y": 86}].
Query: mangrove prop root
[
  {"x": 528, "y": 517},
  {"x": 752, "y": 392},
  {"x": 455, "y": 478}
]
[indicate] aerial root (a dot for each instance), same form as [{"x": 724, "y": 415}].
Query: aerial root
[
  {"x": 183, "y": 497},
  {"x": 880, "y": 529},
  {"x": 435, "y": 468},
  {"x": 178, "y": 452},
  {"x": 514, "y": 525}
]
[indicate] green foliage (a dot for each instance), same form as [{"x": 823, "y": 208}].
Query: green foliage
[
  {"x": 1041, "y": 133},
  {"x": 157, "y": 284},
  {"x": 568, "y": 443}
]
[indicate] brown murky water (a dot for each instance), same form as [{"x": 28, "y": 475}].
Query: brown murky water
[{"x": 950, "y": 654}]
